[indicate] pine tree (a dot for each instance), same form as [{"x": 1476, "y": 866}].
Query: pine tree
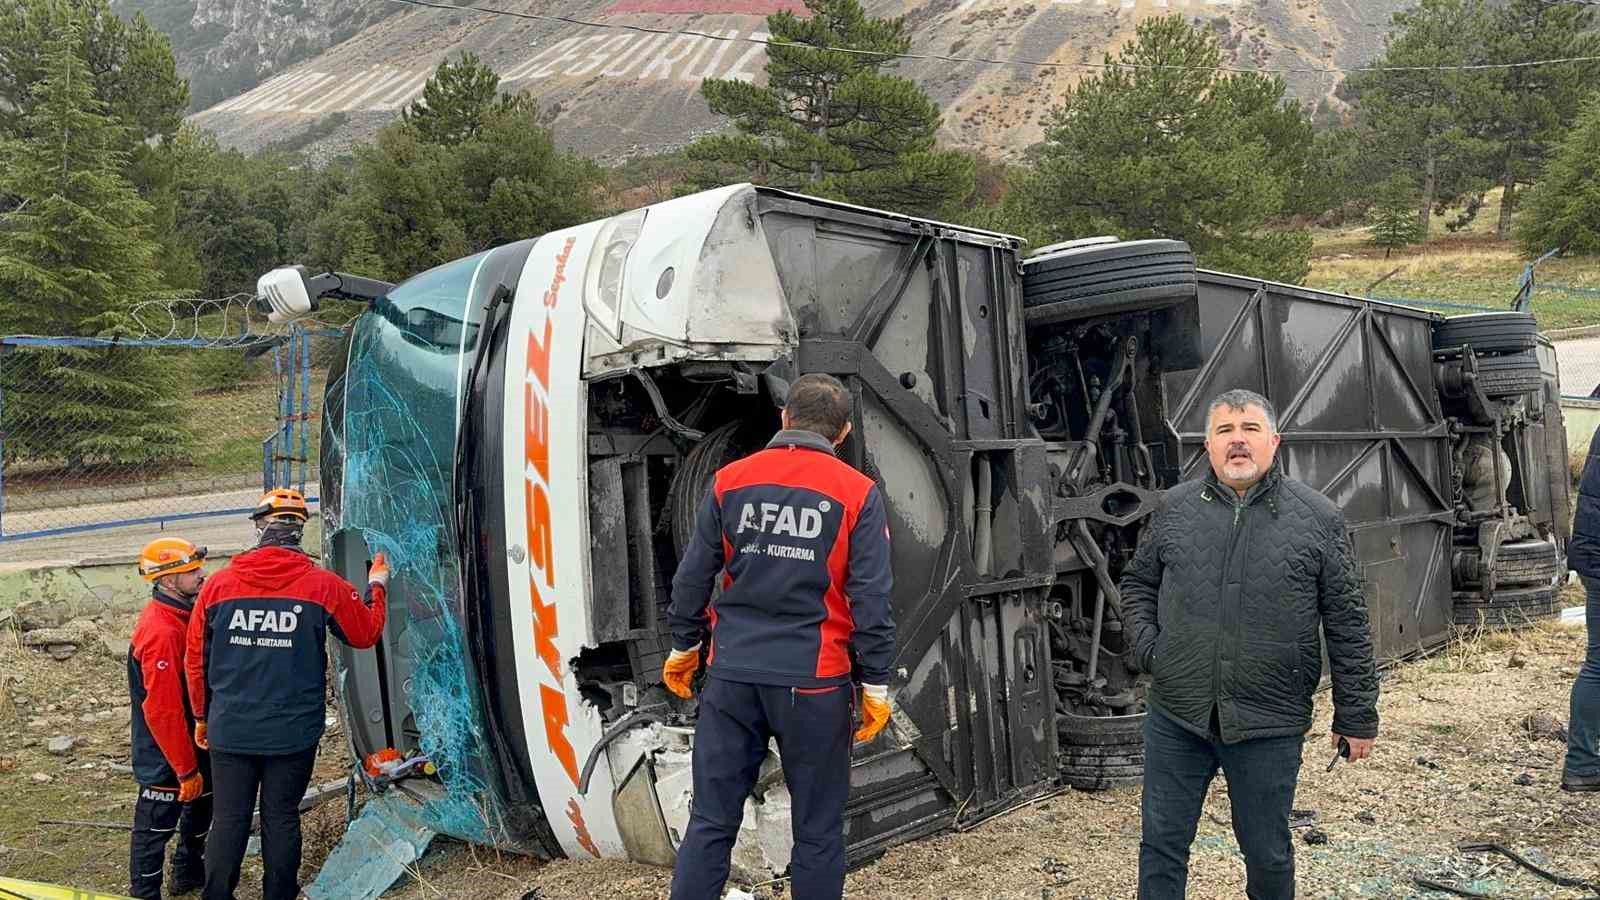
[
  {"x": 134, "y": 74},
  {"x": 458, "y": 101},
  {"x": 1563, "y": 207},
  {"x": 1162, "y": 145},
  {"x": 833, "y": 123},
  {"x": 1393, "y": 215},
  {"x": 1427, "y": 123},
  {"x": 1537, "y": 104},
  {"x": 74, "y": 255}
]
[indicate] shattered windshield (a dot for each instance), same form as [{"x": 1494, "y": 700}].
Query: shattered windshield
[{"x": 395, "y": 440}]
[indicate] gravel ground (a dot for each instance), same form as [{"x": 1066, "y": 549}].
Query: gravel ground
[{"x": 1453, "y": 750}]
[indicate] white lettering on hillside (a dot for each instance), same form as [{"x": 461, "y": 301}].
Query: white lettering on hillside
[
  {"x": 1108, "y": 4},
  {"x": 691, "y": 58}
]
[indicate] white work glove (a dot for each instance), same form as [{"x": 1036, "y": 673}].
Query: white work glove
[{"x": 378, "y": 574}]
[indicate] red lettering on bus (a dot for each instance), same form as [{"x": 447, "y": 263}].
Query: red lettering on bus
[
  {"x": 537, "y": 438},
  {"x": 555, "y": 729},
  {"x": 575, "y": 816},
  {"x": 545, "y": 629}
]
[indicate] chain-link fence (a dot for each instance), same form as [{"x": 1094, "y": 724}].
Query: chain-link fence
[{"x": 98, "y": 433}]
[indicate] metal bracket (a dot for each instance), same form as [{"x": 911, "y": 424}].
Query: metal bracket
[
  {"x": 1093, "y": 506},
  {"x": 1488, "y": 550}
]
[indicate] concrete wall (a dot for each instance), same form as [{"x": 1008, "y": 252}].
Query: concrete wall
[
  {"x": 98, "y": 585},
  {"x": 1582, "y": 418}
]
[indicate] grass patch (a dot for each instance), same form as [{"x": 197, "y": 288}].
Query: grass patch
[{"x": 1470, "y": 267}]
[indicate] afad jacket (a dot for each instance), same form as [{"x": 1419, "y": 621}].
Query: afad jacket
[
  {"x": 162, "y": 725},
  {"x": 257, "y": 648},
  {"x": 800, "y": 543}
]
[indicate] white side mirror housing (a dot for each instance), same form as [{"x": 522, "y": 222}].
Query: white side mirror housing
[{"x": 285, "y": 294}]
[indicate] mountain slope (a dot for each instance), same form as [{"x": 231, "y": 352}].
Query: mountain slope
[{"x": 618, "y": 91}]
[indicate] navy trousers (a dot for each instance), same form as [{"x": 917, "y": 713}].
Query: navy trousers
[
  {"x": 157, "y": 816},
  {"x": 280, "y": 782},
  {"x": 1178, "y": 768},
  {"x": 813, "y": 728},
  {"x": 1583, "y": 725}
]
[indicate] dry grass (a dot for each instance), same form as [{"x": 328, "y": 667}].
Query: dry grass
[
  {"x": 1451, "y": 747},
  {"x": 1471, "y": 267},
  {"x": 1388, "y": 819},
  {"x": 87, "y": 696}
]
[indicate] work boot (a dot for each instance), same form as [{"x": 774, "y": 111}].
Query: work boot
[
  {"x": 188, "y": 874},
  {"x": 1571, "y": 782}
]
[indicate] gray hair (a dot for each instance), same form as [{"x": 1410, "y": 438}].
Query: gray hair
[{"x": 1239, "y": 398}]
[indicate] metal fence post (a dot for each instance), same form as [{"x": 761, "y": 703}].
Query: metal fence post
[
  {"x": 3, "y": 348},
  {"x": 270, "y": 449},
  {"x": 305, "y": 405}
]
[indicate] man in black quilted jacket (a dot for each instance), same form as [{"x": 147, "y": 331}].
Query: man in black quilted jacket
[{"x": 1235, "y": 576}]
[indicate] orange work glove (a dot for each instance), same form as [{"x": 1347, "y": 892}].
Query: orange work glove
[
  {"x": 679, "y": 670},
  {"x": 200, "y": 735},
  {"x": 379, "y": 571},
  {"x": 189, "y": 788},
  {"x": 874, "y": 711}
]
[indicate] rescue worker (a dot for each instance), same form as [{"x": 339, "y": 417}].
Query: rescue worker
[
  {"x": 173, "y": 776},
  {"x": 1580, "y": 771},
  {"x": 256, "y": 666},
  {"x": 799, "y": 542}
]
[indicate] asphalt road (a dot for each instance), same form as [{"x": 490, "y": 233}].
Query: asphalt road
[{"x": 1579, "y": 361}]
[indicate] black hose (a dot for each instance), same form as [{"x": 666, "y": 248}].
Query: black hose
[{"x": 637, "y": 717}]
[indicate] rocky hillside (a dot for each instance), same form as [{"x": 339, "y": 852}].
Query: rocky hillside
[
  {"x": 617, "y": 88},
  {"x": 226, "y": 47}
]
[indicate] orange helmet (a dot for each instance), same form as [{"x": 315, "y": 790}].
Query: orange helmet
[
  {"x": 281, "y": 505},
  {"x": 169, "y": 556}
]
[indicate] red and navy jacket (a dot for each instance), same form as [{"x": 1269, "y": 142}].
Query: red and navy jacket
[
  {"x": 801, "y": 542},
  {"x": 163, "y": 749},
  {"x": 257, "y": 648}
]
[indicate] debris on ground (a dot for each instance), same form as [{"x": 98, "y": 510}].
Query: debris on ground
[
  {"x": 1315, "y": 836},
  {"x": 40, "y": 778},
  {"x": 1541, "y": 726},
  {"x": 1523, "y": 780},
  {"x": 61, "y": 745},
  {"x": 62, "y": 642},
  {"x": 115, "y": 647},
  {"x": 376, "y": 851},
  {"x": 1427, "y": 763},
  {"x": 37, "y": 615},
  {"x": 1463, "y": 708}
]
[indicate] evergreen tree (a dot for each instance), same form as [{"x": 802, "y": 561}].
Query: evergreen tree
[
  {"x": 134, "y": 75},
  {"x": 1162, "y": 145},
  {"x": 75, "y": 253},
  {"x": 1563, "y": 207},
  {"x": 458, "y": 101},
  {"x": 1424, "y": 122},
  {"x": 413, "y": 204},
  {"x": 131, "y": 65},
  {"x": 1393, "y": 215},
  {"x": 1536, "y": 104},
  {"x": 833, "y": 123},
  {"x": 235, "y": 211}
]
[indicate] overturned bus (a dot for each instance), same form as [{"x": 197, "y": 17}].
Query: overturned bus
[{"x": 527, "y": 432}]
